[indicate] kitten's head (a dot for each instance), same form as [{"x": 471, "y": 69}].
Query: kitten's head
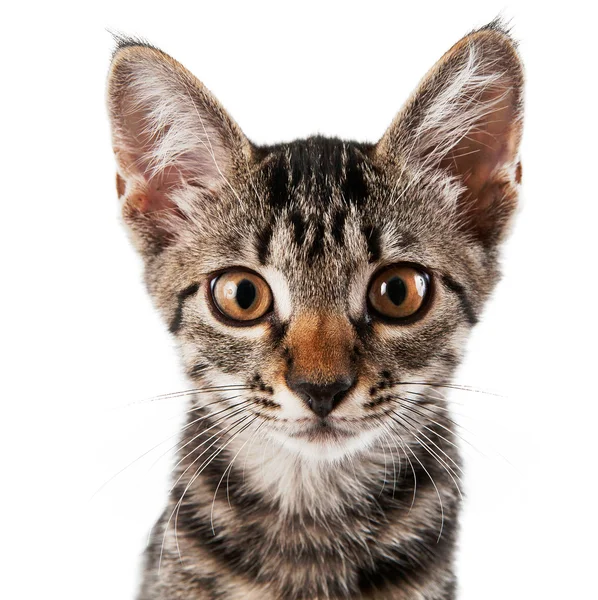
[{"x": 332, "y": 281}]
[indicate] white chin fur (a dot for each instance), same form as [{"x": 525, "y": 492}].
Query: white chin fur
[{"x": 326, "y": 450}]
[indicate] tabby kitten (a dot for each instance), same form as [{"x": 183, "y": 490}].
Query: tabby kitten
[{"x": 320, "y": 293}]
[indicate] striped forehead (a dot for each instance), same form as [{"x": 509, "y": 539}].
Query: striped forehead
[
  {"x": 323, "y": 241},
  {"x": 317, "y": 189},
  {"x": 317, "y": 174}
]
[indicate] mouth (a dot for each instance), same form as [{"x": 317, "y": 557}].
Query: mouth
[{"x": 323, "y": 430}]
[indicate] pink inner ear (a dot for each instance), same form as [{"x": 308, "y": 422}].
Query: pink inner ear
[
  {"x": 143, "y": 193},
  {"x": 484, "y": 160},
  {"x": 148, "y": 191},
  {"x": 491, "y": 145},
  {"x": 164, "y": 140},
  {"x": 157, "y": 194},
  {"x": 168, "y": 133},
  {"x": 150, "y": 202}
]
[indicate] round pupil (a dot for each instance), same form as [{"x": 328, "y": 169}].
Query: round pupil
[
  {"x": 246, "y": 294},
  {"x": 396, "y": 290}
]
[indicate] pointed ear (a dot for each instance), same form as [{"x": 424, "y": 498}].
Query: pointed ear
[
  {"x": 168, "y": 133},
  {"x": 466, "y": 118}
]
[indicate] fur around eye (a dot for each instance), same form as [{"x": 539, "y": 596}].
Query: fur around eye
[
  {"x": 399, "y": 292},
  {"x": 241, "y": 295}
]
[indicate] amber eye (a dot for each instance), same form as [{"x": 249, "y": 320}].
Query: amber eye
[
  {"x": 241, "y": 295},
  {"x": 399, "y": 291}
]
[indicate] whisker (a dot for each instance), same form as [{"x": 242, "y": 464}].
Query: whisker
[
  {"x": 443, "y": 464},
  {"x": 228, "y": 470},
  {"x": 387, "y": 436},
  {"x": 266, "y": 446},
  {"x": 400, "y": 401},
  {"x": 435, "y": 487},
  {"x": 407, "y": 457},
  {"x": 178, "y": 504},
  {"x": 432, "y": 407},
  {"x": 219, "y": 401},
  {"x": 227, "y": 409},
  {"x": 247, "y": 455},
  {"x": 453, "y": 422},
  {"x": 447, "y": 385},
  {"x": 415, "y": 424},
  {"x": 158, "y": 445},
  {"x": 240, "y": 411},
  {"x": 189, "y": 392},
  {"x": 228, "y": 476},
  {"x": 438, "y": 396},
  {"x": 384, "y": 479},
  {"x": 198, "y": 473}
]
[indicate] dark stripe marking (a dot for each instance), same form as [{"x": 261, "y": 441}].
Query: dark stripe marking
[
  {"x": 279, "y": 182},
  {"x": 338, "y": 226},
  {"x": 298, "y": 227},
  {"x": 459, "y": 290},
  {"x": 372, "y": 237},
  {"x": 317, "y": 246},
  {"x": 238, "y": 556},
  {"x": 278, "y": 331},
  {"x": 317, "y": 164},
  {"x": 354, "y": 188},
  {"x": 262, "y": 244},
  {"x": 197, "y": 369},
  {"x": 363, "y": 327},
  {"x": 411, "y": 562},
  {"x": 449, "y": 358},
  {"x": 177, "y": 320}
]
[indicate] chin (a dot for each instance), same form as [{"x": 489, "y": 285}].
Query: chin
[{"x": 325, "y": 441}]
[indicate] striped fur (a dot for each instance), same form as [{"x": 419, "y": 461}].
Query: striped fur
[{"x": 264, "y": 504}]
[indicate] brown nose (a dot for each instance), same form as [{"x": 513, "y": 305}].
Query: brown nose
[{"x": 321, "y": 398}]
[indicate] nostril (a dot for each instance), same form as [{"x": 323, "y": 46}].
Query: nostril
[{"x": 322, "y": 398}]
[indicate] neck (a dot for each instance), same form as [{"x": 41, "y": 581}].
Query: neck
[{"x": 262, "y": 514}]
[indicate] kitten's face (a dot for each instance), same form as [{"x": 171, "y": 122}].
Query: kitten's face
[
  {"x": 326, "y": 284},
  {"x": 319, "y": 251}
]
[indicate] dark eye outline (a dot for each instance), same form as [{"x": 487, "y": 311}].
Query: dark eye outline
[
  {"x": 217, "y": 311},
  {"x": 420, "y": 313}
]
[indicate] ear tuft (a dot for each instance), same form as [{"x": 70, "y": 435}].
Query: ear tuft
[
  {"x": 122, "y": 41},
  {"x": 466, "y": 119},
  {"x": 499, "y": 25}
]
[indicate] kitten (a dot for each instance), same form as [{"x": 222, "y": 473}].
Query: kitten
[{"x": 320, "y": 293}]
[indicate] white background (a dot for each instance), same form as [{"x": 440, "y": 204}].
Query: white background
[{"x": 81, "y": 341}]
